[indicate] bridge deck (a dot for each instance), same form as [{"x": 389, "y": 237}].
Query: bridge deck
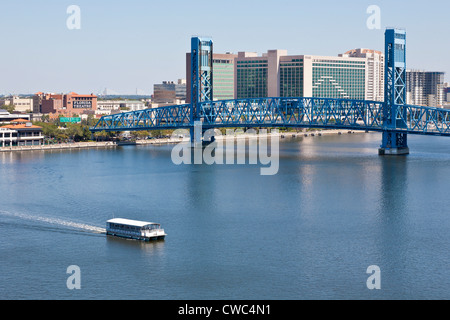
[{"x": 284, "y": 112}]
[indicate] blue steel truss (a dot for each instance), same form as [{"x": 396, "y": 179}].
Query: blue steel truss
[{"x": 285, "y": 112}]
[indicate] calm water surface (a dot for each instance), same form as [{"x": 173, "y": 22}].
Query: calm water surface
[{"x": 309, "y": 232}]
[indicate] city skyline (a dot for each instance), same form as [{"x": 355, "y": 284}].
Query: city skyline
[{"x": 130, "y": 46}]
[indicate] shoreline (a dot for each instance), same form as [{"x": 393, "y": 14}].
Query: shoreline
[
  {"x": 162, "y": 141},
  {"x": 75, "y": 145}
]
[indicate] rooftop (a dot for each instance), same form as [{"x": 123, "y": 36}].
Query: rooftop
[
  {"x": 129, "y": 222},
  {"x": 21, "y": 124}
]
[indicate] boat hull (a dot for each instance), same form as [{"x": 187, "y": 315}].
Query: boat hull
[{"x": 140, "y": 238}]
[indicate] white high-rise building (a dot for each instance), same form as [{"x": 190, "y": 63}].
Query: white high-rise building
[{"x": 375, "y": 71}]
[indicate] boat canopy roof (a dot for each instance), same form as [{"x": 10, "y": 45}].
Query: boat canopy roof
[{"x": 135, "y": 223}]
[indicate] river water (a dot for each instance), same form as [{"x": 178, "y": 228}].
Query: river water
[{"x": 308, "y": 232}]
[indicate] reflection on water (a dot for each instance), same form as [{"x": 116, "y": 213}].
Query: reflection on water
[{"x": 155, "y": 247}]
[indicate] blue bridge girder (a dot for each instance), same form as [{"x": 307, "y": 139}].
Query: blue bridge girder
[{"x": 325, "y": 113}]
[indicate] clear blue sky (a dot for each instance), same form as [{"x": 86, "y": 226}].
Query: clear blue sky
[{"x": 124, "y": 45}]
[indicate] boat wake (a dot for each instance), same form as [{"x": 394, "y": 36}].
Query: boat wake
[{"x": 55, "y": 221}]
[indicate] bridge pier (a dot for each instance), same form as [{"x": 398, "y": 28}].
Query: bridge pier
[
  {"x": 394, "y": 112},
  {"x": 199, "y": 136},
  {"x": 394, "y": 143}
]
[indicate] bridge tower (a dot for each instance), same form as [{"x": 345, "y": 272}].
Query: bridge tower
[
  {"x": 201, "y": 78},
  {"x": 394, "y": 143}
]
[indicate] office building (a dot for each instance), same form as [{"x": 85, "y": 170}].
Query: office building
[
  {"x": 169, "y": 92},
  {"x": 425, "y": 88},
  {"x": 223, "y": 76},
  {"x": 258, "y": 76},
  {"x": 335, "y": 77},
  {"x": 66, "y": 105}
]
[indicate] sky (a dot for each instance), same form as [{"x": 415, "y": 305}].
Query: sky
[{"x": 127, "y": 46}]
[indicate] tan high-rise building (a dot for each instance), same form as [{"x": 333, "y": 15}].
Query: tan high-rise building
[
  {"x": 258, "y": 76},
  {"x": 375, "y": 71}
]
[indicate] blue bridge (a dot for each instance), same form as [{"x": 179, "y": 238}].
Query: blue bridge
[{"x": 393, "y": 117}]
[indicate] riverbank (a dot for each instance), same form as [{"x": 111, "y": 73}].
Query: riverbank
[
  {"x": 75, "y": 145},
  {"x": 282, "y": 135},
  {"x": 162, "y": 141}
]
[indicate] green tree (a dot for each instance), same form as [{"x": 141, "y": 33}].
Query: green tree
[
  {"x": 139, "y": 134},
  {"x": 10, "y": 108},
  {"x": 49, "y": 130},
  {"x": 156, "y": 133},
  {"x": 74, "y": 131},
  {"x": 102, "y": 135}
]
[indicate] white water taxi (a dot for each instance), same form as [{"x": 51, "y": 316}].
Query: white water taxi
[{"x": 134, "y": 229}]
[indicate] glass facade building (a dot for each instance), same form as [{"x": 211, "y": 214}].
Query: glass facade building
[
  {"x": 338, "y": 78},
  {"x": 291, "y": 77},
  {"x": 251, "y": 78}
]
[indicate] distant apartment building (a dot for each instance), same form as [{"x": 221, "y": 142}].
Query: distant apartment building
[
  {"x": 425, "y": 88},
  {"x": 107, "y": 107},
  {"x": 447, "y": 93},
  {"x": 375, "y": 71},
  {"x": 66, "y": 105},
  {"x": 169, "y": 92},
  {"x": 37, "y": 102},
  {"x": 223, "y": 76},
  {"x": 275, "y": 74},
  {"x": 446, "y": 103},
  {"x": 20, "y": 104}
]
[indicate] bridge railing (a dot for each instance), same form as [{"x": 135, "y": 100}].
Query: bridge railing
[
  {"x": 148, "y": 119},
  {"x": 422, "y": 120}
]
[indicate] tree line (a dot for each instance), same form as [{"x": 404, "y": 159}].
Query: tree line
[{"x": 56, "y": 131}]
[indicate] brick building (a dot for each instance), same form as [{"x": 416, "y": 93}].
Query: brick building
[{"x": 66, "y": 105}]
